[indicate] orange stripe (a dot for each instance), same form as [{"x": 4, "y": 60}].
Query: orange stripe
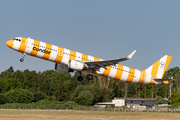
[
  {"x": 84, "y": 57},
  {"x": 142, "y": 78},
  {"x": 96, "y": 59},
  {"x": 164, "y": 82},
  {"x": 59, "y": 55},
  {"x": 151, "y": 82},
  {"x": 131, "y": 75},
  {"x": 94, "y": 72},
  {"x": 35, "y": 46},
  {"x": 72, "y": 55},
  {"x": 48, "y": 53},
  {"x": 119, "y": 72},
  {"x": 106, "y": 72},
  {"x": 154, "y": 71},
  {"x": 168, "y": 60},
  {"x": 22, "y": 47}
]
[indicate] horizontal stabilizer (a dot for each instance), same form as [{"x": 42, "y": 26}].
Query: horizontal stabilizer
[{"x": 160, "y": 80}]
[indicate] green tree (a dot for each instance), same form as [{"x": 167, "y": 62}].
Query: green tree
[
  {"x": 38, "y": 96},
  {"x": 82, "y": 100},
  {"x": 3, "y": 99},
  {"x": 85, "y": 97},
  {"x": 175, "y": 99},
  {"x": 19, "y": 96},
  {"x": 159, "y": 100}
]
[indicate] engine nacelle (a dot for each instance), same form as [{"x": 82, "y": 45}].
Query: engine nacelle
[
  {"x": 76, "y": 65},
  {"x": 62, "y": 68}
]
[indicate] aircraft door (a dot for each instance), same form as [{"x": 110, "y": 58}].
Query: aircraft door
[
  {"x": 27, "y": 44},
  {"x": 60, "y": 52},
  {"x": 143, "y": 76}
]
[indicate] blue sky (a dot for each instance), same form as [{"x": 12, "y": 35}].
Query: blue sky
[{"x": 107, "y": 29}]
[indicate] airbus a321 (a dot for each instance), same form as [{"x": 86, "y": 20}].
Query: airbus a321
[{"x": 68, "y": 60}]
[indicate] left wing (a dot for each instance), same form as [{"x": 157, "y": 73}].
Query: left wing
[{"x": 96, "y": 65}]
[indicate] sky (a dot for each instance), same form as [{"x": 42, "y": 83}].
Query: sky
[{"x": 107, "y": 29}]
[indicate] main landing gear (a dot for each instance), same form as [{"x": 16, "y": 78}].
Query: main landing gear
[
  {"x": 22, "y": 59},
  {"x": 80, "y": 78},
  {"x": 89, "y": 77}
]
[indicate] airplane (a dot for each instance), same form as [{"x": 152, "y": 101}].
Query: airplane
[{"x": 68, "y": 60}]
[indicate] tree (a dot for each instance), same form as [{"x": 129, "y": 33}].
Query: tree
[
  {"x": 3, "y": 99},
  {"x": 82, "y": 100},
  {"x": 175, "y": 99},
  {"x": 19, "y": 96},
  {"x": 85, "y": 98},
  {"x": 38, "y": 96},
  {"x": 159, "y": 100}
]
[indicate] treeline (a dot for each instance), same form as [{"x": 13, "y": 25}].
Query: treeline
[{"x": 52, "y": 85}]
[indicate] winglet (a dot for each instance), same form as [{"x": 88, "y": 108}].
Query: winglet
[{"x": 130, "y": 55}]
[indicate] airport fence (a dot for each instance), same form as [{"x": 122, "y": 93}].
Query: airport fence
[{"x": 88, "y": 108}]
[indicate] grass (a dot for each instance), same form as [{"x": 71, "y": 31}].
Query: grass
[{"x": 9, "y": 114}]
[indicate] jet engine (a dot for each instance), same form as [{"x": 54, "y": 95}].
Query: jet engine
[
  {"x": 62, "y": 68},
  {"x": 76, "y": 65}
]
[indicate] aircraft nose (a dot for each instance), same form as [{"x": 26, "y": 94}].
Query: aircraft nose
[{"x": 10, "y": 43}]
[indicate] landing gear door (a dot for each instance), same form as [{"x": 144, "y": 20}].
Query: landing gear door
[
  {"x": 60, "y": 52},
  {"x": 27, "y": 44}
]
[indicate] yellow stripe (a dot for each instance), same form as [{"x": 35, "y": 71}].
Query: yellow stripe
[
  {"x": 72, "y": 55},
  {"x": 84, "y": 57},
  {"x": 106, "y": 72},
  {"x": 164, "y": 82},
  {"x": 59, "y": 57},
  {"x": 119, "y": 72},
  {"x": 96, "y": 59},
  {"x": 168, "y": 60},
  {"x": 142, "y": 77},
  {"x": 131, "y": 75},
  {"x": 155, "y": 69},
  {"x": 22, "y": 47},
  {"x": 49, "y": 50},
  {"x": 36, "y": 45}
]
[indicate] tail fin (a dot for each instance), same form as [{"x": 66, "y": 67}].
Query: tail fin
[{"x": 158, "y": 69}]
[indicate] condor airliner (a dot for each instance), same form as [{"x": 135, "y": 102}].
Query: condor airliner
[{"x": 68, "y": 60}]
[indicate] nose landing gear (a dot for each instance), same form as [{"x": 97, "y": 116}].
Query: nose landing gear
[{"x": 22, "y": 59}]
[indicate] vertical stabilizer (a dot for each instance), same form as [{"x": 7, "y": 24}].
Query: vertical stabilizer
[{"x": 158, "y": 69}]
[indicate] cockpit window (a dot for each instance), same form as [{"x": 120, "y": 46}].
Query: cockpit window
[{"x": 17, "y": 39}]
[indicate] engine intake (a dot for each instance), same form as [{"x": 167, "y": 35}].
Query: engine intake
[{"x": 62, "y": 68}]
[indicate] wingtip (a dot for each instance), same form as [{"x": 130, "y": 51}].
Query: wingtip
[{"x": 130, "y": 55}]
